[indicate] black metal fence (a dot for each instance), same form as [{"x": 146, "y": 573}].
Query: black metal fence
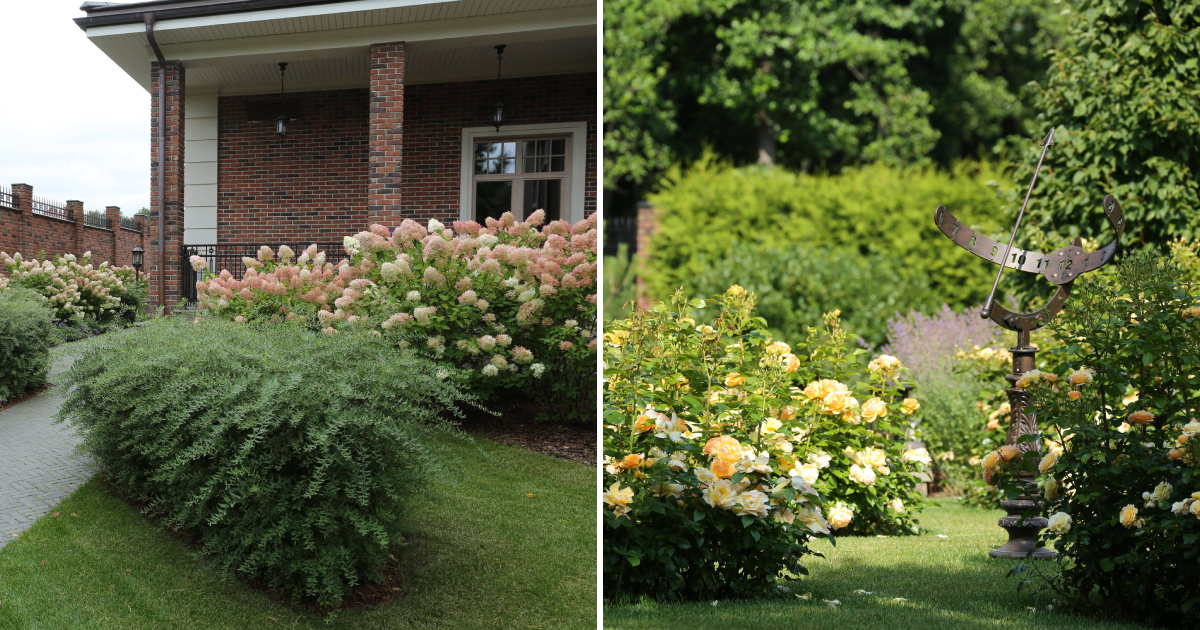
[
  {"x": 7, "y": 199},
  {"x": 96, "y": 219},
  {"x": 619, "y": 230},
  {"x": 47, "y": 208},
  {"x": 228, "y": 256},
  {"x": 130, "y": 223}
]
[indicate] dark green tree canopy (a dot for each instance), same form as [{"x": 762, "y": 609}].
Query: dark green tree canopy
[{"x": 815, "y": 84}]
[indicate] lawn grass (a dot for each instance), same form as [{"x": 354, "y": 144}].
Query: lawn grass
[
  {"x": 948, "y": 583},
  {"x": 483, "y": 554}
]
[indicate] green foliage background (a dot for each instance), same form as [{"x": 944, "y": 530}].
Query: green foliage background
[
  {"x": 827, "y": 83},
  {"x": 873, "y": 210}
]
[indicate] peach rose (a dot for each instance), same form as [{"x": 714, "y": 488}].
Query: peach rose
[
  {"x": 1074, "y": 395},
  {"x": 632, "y": 461},
  {"x": 1141, "y": 417},
  {"x": 723, "y": 469},
  {"x": 725, "y": 448},
  {"x": 1009, "y": 451}
]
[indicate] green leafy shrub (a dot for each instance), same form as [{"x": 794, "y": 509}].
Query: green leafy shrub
[
  {"x": 720, "y": 464},
  {"x": 1121, "y": 480},
  {"x": 872, "y": 210},
  {"x": 798, "y": 284},
  {"x": 25, "y": 323},
  {"x": 286, "y": 453}
]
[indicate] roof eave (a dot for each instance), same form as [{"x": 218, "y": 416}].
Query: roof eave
[{"x": 101, "y": 17}]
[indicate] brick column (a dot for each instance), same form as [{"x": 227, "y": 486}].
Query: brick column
[
  {"x": 113, "y": 216},
  {"x": 385, "y": 164},
  {"x": 75, "y": 213},
  {"x": 24, "y": 196},
  {"x": 166, "y": 272},
  {"x": 647, "y": 225}
]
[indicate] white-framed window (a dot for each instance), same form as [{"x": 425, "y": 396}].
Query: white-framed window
[{"x": 523, "y": 168}]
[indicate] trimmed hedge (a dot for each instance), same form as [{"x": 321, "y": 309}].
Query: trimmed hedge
[
  {"x": 25, "y": 324},
  {"x": 286, "y": 453},
  {"x": 871, "y": 210}
]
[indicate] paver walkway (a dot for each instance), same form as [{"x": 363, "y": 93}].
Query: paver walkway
[{"x": 38, "y": 467}]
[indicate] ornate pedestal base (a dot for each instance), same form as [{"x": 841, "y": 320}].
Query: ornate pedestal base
[{"x": 1022, "y": 533}]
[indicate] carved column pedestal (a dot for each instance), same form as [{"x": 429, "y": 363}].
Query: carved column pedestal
[{"x": 1022, "y": 532}]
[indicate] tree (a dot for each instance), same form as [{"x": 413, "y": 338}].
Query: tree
[
  {"x": 1123, "y": 100},
  {"x": 814, "y": 84}
]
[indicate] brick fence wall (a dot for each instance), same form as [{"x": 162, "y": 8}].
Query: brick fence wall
[{"x": 30, "y": 233}]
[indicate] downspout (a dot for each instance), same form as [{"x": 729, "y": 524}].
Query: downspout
[{"x": 162, "y": 159}]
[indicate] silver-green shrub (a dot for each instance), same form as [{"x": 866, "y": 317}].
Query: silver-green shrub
[
  {"x": 25, "y": 322},
  {"x": 285, "y": 453}
]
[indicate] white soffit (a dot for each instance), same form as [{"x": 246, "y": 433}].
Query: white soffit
[{"x": 345, "y": 30}]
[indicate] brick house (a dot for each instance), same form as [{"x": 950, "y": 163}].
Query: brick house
[{"x": 388, "y": 111}]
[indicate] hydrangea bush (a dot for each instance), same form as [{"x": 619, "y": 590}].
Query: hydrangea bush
[
  {"x": 507, "y": 302},
  {"x": 74, "y": 287},
  {"x": 727, "y": 451},
  {"x": 1121, "y": 482}
]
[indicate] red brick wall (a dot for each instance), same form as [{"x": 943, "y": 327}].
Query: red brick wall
[
  {"x": 55, "y": 237},
  {"x": 312, "y": 185},
  {"x": 10, "y": 230},
  {"x": 309, "y": 186},
  {"x": 436, "y": 114}
]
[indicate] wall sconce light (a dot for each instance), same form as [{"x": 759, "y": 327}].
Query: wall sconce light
[
  {"x": 498, "y": 109},
  {"x": 281, "y": 121}
]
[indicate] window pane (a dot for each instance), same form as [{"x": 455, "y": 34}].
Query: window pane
[
  {"x": 543, "y": 165},
  {"x": 527, "y": 148},
  {"x": 510, "y": 149},
  {"x": 558, "y": 164},
  {"x": 544, "y": 194},
  {"x": 509, "y": 165},
  {"x": 559, "y": 147},
  {"x": 492, "y": 199},
  {"x": 527, "y": 164},
  {"x": 493, "y": 166},
  {"x": 493, "y": 149},
  {"x": 480, "y": 167},
  {"x": 543, "y": 147},
  {"x": 481, "y": 150}
]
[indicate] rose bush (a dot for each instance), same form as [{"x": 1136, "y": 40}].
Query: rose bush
[
  {"x": 727, "y": 451},
  {"x": 505, "y": 303},
  {"x": 73, "y": 287},
  {"x": 1120, "y": 482}
]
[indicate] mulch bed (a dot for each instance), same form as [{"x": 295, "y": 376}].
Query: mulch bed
[
  {"x": 36, "y": 391},
  {"x": 515, "y": 426}
]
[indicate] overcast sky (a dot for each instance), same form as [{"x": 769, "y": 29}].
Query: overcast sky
[{"x": 72, "y": 124}]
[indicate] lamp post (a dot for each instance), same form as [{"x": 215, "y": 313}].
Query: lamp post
[
  {"x": 498, "y": 108},
  {"x": 281, "y": 121},
  {"x": 138, "y": 254}
]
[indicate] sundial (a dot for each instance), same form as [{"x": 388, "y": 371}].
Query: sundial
[{"x": 1061, "y": 267}]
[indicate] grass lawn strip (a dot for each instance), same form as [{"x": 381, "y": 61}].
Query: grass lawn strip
[
  {"x": 483, "y": 554},
  {"x": 947, "y": 583}
]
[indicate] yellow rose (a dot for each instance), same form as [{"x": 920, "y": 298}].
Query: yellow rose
[
  {"x": 865, "y": 476},
  {"x": 1081, "y": 377},
  {"x": 909, "y": 406},
  {"x": 771, "y": 425},
  {"x": 874, "y": 409},
  {"x": 733, "y": 379},
  {"x": 1129, "y": 516},
  {"x": 778, "y": 348},
  {"x": 735, "y": 291},
  {"x": 617, "y": 337},
  {"x": 1060, "y": 523},
  {"x": 1141, "y": 417},
  {"x": 811, "y": 518},
  {"x": 723, "y": 469},
  {"x": 618, "y": 498},
  {"x": 840, "y": 516},
  {"x": 835, "y": 402},
  {"x": 809, "y": 473},
  {"x": 991, "y": 461},
  {"x": 726, "y": 448},
  {"x": 720, "y": 494},
  {"x": 897, "y": 505},
  {"x": 752, "y": 503},
  {"x": 1050, "y": 489},
  {"x": 1048, "y": 462},
  {"x": 632, "y": 461},
  {"x": 791, "y": 363}
]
